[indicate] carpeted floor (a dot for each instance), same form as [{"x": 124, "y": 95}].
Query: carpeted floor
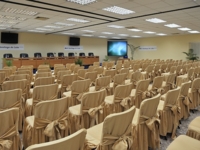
[{"x": 182, "y": 131}]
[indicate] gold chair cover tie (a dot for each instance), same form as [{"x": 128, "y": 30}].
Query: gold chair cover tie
[
  {"x": 108, "y": 89},
  {"x": 78, "y": 96},
  {"x": 5, "y": 144},
  {"x": 172, "y": 85},
  {"x": 52, "y": 127},
  {"x": 68, "y": 88},
  {"x": 126, "y": 102},
  {"x": 156, "y": 90}
]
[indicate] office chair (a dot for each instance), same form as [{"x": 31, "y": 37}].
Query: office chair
[
  {"x": 60, "y": 54},
  {"x": 38, "y": 55},
  {"x": 50, "y": 54},
  {"x": 90, "y": 54},
  {"x": 7, "y": 55},
  {"x": 71, "y": 54},
  {"x": 81, "y": 54},
  {"x": 23, "y": 55}
]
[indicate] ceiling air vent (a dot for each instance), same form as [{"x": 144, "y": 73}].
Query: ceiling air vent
[{"x": 41, "y": 18}]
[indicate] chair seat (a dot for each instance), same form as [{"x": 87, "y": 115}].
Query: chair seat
[
  {"x": 30, "y": 120},
  {"x": 163, "y": 96},
  {"x": 92, "y": 89},
  {"x": 75, "y": 110},
  {"x": 163, "y": 84},
  {"x": 160, "y": 105},
  {"x": 109, "y": 99},
  {"x": 144, "y": 73},
  {"x": 29, "y": 101},
  {"x": 195, "y": 125},
  {"x": 127, "y": 81},
  {"x": 133, "y": 92},
  {"x": 135, "y": 118},
  {"x": 92, "y": 136},
  {"x": 111, "y": 84},
  {"x": 67, "y": 94},
  {"x": 31, "y": 91},
  {"x": 184, "y": 142},
  {"x": 150, "y": 87}
]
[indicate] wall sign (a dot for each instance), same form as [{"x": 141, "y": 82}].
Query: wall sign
[
  {"x": 72, "y": 48},
  {"x": 11, "y": 46},
  {"x": 148, "y": 48}
]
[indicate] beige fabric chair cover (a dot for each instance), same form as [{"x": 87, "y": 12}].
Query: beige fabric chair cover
[
  {"x": 113, "y": 133},
  {"x": 78, "y": 88},
  {"x": 135, "y": 78},
  {"x": 81, "y": 74},
  {"x": 17, "y": 84},
  {"x": 43, "y": 66},
  {"x": 44, "y": 74},
  {"x": 156, "y": 87},
  {"x": 89, "y": 112},
  {"x": 76, "y": 68},
  {"x": 72, "y": 66},
  {"x": 184, "y": 78},
  {"x": 145, "y": 130},
  {"x": 194, "y": 129},
  {"x": 184, "y": 142},
  {"x": 110, "y": 73},
  {"x": 44, "y": 70},
  {"x": 194, "y": 93},
  {"x": 148, "y": 73},
  {"x": 196, "y": 72},
  {"x": 169, "y": 113},
  {"x": 60, "y": 74},
  {"x": 68, "y": 65},
  {"x": 9, "y": 135},
  {"x": 109, "y": 65},
  {"x": 66, "y": 83},
  {"x": 119, "y": 79},
  {"x": 44, "y": 81},
  {"x": 118, "y": 67},
  {"x": 72, "y": 142},
  {"x": 57, "y": 65},
  {"x": 96, "y": 64},
  {"x": 184, "y": 101},
  {"x": 92, "y": 76},
  {"x": 57, "y": 69},
  {"x": 40, "y": 93},
  {"x": 144, "y": 66},
  {"x": 125, "y": 70},
  {"x": 2, "y": 78},
  {"x": 171, "y": 71},
  {"x": 140, "y": 93},
  {"x": 12, "y": 99},
  {"x": 169, "y": 83},
  {"x": 163, "y": 68},
  {"x": 25, "y": 72},
  {"x": 178, "y": 70},
  {"x": 99, "y": 70},
  {"x": 120, "y": 101},
  {"x": 13, "y": 68},
  {"x": 91, "y": 68},
  {"x": 7, "y": 72},
  {"x": 49, "y": 123},
  {"x": 126, "y": 64}
]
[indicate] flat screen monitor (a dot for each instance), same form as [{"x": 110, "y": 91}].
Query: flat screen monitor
[
  {"x": 117, "y": 48},
  {"x": 74, "y": 41},
  {"x": 7, "y": 37}
]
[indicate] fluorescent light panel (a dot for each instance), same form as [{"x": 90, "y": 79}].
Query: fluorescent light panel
[
  {"x": 184, "y": 29},
  {"x": 45, "y": 29},
  {"x": 193, "y": 31},
  {"x": 136, "y": 36},
  {"x": 12, "y": 18},
  {"x": 161, "y": 34},
  {"x": 68, "y": 33},
  {"x": 172, "y": 25},
  {"x": 8, "y": 21},
  {"x": 87, "y": 35},
  {"x": 107, "y": 33},
  {"x": 116, "y": 26},
  {"x": 2, "y": 28},
  {"x": 115, "y": 37},
  {"x": 118, "y": 10},
  {"x": 19, "y": 11},
  {"x": 123, "y": 34},
  {"x": 103, "y": 36},
  {"x": 63, "y": 24},
  {"x": 88, "y": 31},
  {"x": 82, "y": 2},
  {"x": 35, "y": 31},
  {"x": 155, "y": 20},
  {"x": 78, "y": 20},
  {"x": 53, "y": 27},
  {"x": 136, "y": 30},
  {"x": 149, "y": 32}
]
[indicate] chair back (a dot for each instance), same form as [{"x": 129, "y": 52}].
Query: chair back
[
  {"x": 171, "y": 98},
  {"x": 135, "y": 77},
  {"x": 81, "y": 74},
  {"x": 157, "y": 82},
  {"x": 43, "y": 66},
  {"x": 118, "y": 66},
  {"x": 96, "y": 64},
  {"x": 59, "y": 68},
  {"x": 81, "y": 86},
  {"x": 119, "y": 79},
  {"x": 99, "y": 70},
  {"x": 190, "y": 74},
  {"x": 67, "y": 80},
  {"x": 122, "y": 91},
  {"x": 77, "y": 67},
  {"x": 7, "y": 72},
  {"x": 91, "y": 68},
  {"x": 102, "y": 82},
  {"x": 135, "y": 67},
  {"x": 44, "y": 81},
  {"x": 127, "y": 64},
  {"x": 2, "y": 77},
  {"x": 91, "y": 75},
  {"x": 172, "y": 69},
  {"x": 60, "y": 74},
  {"x": 43, "y": 74},
  {"x": 110, "y": 73},
  {"x": 44, "y": 70},
  {"x": 178, "y": 70}
]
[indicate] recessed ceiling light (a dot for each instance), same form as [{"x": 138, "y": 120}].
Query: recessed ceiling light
[
  {"x": 116, "y": 26},
  {"x": 184, "y": 29},
  {"x": 103, "y": 36},
  {"x": 161, "y": 34},
  {"x": 19, "y": 11},
  {"x": 136, "y": 30},
  {"x": 155, "y": 20},
  {"x": 68, "y": 33},
  {"x": 87, "y": 35},
  {"x": 107, "y": 33},
  {"x": 35, "y": 31},
  {"x": 194, "y": 31},
  {"x": 78, "y": 20},
  {"x": 149, "y": 32},
  {"x": 136, "y": 36},
  {"x": 83, "y": 2},
  {"x": 12, "y": 18},
  {"x": 45, "y": 29},
  {"x": 53, "y": 27},
  {"x": 63, "y": 24},
  {"x": 123, "y": 34},
  {"x": 118, "y": 10},
  {"x": 116, "y": 38},
  {"x": 172, "y": 25},
  {"x": 8, "y": 21},
  {"x": 88, "y": 31}
]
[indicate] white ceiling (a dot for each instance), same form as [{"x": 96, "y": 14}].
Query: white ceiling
[{"x": 185, "y": 13}]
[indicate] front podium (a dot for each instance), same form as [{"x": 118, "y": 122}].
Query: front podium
[{"x": 18, "y": 62}]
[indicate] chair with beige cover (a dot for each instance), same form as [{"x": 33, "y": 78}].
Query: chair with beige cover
[
  {"x": 72, "y": 142},
  {"x": 184, "y": 101},
  {"x": 186, "y": 77},
  {"x": 140, "y": 93},
  {"x": 156, "y": 87},
  {"x": 7, "y": 72},
  {"x": 2, "y": 78},
  {"x": 99, "y": 71},
  {"x": 109, "y": 65},
  {"x": 29, "y": 72},
  {"x": 43, "y": 66},
  {"x": 148, "y": 73},
  {"x": 183, "y": 142},
  {"x": 125, "y": 70},
  {"x": 156, "y": 71},
  {"x": 40, "y": 93},
  {"x": 194, "y": 93},
  {"x": 126, "y": 64},
  {"x": 194, "y": 128},
  {"x": 13, "y": 68},
  {"x": 120, "y": 101},
  {"x": 110, "y": 73},
  {"x": 169, "y": 112},
  {"x": 9, "y": 134},
  {"x": 135, "y": 78},
  {"x": 81, "y": 74},
  {"x": 68, "y": 66},
  {"x": 44, "y": 70},
  {"x": 78, "y": 88},
  {"x": 119, "y": 79},
  {"x": 145, "y": 130},
  {"x": 44, "y": 74},
  {"x": 118, "y": 67},
  {"x": 169, "y": 83},
  {"x": 171, "y": 71},
  {"x": 163, "y": 68},
  {"x": 60, "y": 74},
  {"x": 91, "y": 68},
  {"x": 72, "y": 66},
  {"x": 92, "y": 76},
  {"x": 49, "y": 122},
  {"x": 89, "y": 112},
  {"x": 57, "y": 69},
  {"x": 113, "y": 133},
  {"x": 96, "y": 64},
  {"x": 76, "y": 68},
  {"x": 66, "y": 83}
]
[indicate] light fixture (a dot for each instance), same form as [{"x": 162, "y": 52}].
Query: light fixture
[
  {"x": 155, "y": 20},
  {"x": 87, "y": 35},
  {"x": 88, "y": 31},
  {"x": 118, "y": 10},
  {"x": 136, "y": 36},
  {"x": 5, "y": 25},
  {"x": 123, "y": 34},
  {"x": 115, "y": 26},
  {"x": 63, "y": 24},
  {"x": 161, "y": 34},
  {"x": 68, "y": 33},
  {"x": 53, "y": 27},
  {"x": 115, "y": 37},
  {"x": 184, "y": 29},
  {"x": 172, "y": 25},
  {"x": 103, "y": 36},
  {"x": 8, "y": 21},
  {"x": 45, "y": 29},
  {"x": 78, "y": 20},
  {"x": 19, "y": 11},
  {"x": 35, "y": 31},
  {"x": 12, "y": 18},
  {"x": 136, "y": 30},
  {"x": 107, "y": 33},
  {"x": 149, "y": 32},
  {"x": 82, "y": 2},
  {"x": 193, "y": 31}
]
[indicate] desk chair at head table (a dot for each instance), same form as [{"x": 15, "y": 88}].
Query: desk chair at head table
[
  {"x": 90, "y": 54},
  {"x": 50, "y": 54},
  {"x": 23, "y": 55},
  {"x": 37, "y": 55},
  {"x": 61, "y": 54},
  {"x": 71, "y": 54},
  {"x": 82, "y": 54},
  {"x": 7, "y": 55}
]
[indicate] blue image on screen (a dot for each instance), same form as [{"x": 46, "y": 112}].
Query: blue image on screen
[{"x": 117, "y": 48}]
